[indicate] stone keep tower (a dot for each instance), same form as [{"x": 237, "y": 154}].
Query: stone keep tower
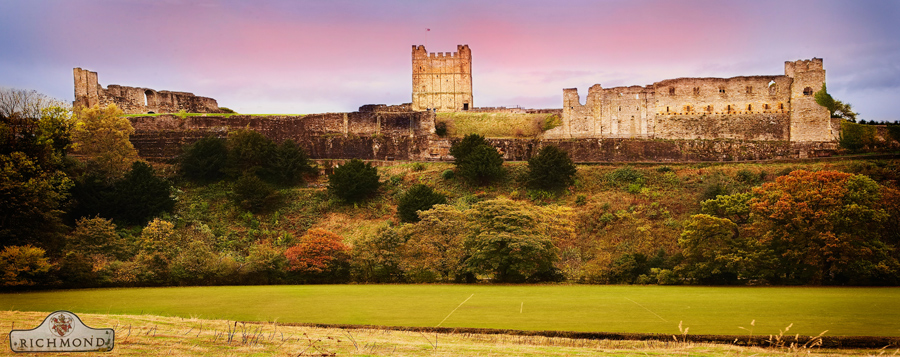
[
  {"x": 809, "y": 120},
  {"x": 442, "y": 81}
]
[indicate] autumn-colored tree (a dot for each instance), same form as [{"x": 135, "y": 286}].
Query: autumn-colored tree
[
  {"x": 102, "y": 136},
  {"x": 823, "y": 226},
  {"x": 434, "y": 251},
  {"x": 319, "y": 253},
  {"x": 22, "y": 265}
]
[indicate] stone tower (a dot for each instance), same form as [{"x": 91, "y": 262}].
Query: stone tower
[
  {"x": 809, "y": 120},
  {"x": 442, "y": 81}
]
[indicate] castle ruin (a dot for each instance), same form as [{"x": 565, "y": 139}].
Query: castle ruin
[
  {"x": 442, "y": 81},
  {"x": 132, "y": 100},
  {"x": 755, "y": 108}
]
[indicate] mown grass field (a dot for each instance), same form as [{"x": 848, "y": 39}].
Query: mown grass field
[{"x": 646, "y": 309}]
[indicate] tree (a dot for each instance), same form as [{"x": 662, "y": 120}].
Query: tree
[
  {"x": 287, "y": 164},
  {"x": 141, "y": 195},
  {"x": 353, "y": 181},
  {"x": 25, "y": 104},
  {"x": 204, "y": 160},
  {"x": 321, "y": 256},
  {"x": 434, "y": 249},
  {"x": 102, "y": 137},
  {"x": 823, "y": 226},
  {"x": 509, "y": 240},
  {"x": 418, "y": 198},
  {"x": 253, "y": 194},
  {"x": 248, "y": 152},
  {"x": 22, "y": 265},
  {"x": 31, "y": 201},
  {"x": 463, "y": 148},
  {"x": 716, "y": 253},
  {"x": 550, "y": 169},
  {"x": 837, "y": 108},
  {"x": 96, "y": 236},
  {"x": 482, "y": 165},
  {"x": 376, "y": 258}
]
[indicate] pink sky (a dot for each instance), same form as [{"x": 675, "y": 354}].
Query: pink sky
[{"x": 320, "y": 56}]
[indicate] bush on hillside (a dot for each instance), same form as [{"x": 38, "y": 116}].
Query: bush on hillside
[
  {"x": 353, "y": 181},
  {"x": 287, "y": 164},
  {"x": 248, "y": 152},
  {"x": 253, "y": 194},
  {"x": 204, "y": 160},
  {"x": 550, "y": 169},
  {"x": 466, "y": 146},
  {"x": 141, "y": 195},
  {"x": 418, "y": 198},
  {"x": 483, "y": 165}
]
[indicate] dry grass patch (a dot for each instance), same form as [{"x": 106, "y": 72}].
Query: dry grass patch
[{"x": 141, "y": 335}]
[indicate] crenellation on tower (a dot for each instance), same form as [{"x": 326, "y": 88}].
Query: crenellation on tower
[{"x": 442, "y": 81}]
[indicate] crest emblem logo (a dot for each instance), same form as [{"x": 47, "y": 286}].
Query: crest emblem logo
[{"x": 61, "y": 325}]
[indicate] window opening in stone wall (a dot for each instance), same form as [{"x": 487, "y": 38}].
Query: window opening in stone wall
[
  {"x": 148, "y": 95},
  {"x": 465, "y": 106},
  {"x": 780, "y": 106},
  {"x": 637, "y": 96},
  {"x": 749, "y": 107},
  {"x": 696, "y": 90},
  {"x": 667, "y": 109},
  {"x": 671, "y": 90},
  {"x": 709, "y": 108},
  {"x": 688, "y": 108},
  {"x": 728, "y": 108},
  {"x": 807, "y": 91},
  {"x": 722, "y": 90},
  {"x": 620, "y": 109},
  {"x": 766, "y": 106},
  {"x": 772, "y": 88}
]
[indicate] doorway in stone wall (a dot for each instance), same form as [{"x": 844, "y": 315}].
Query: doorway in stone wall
[{"x": 465, "y": 106}]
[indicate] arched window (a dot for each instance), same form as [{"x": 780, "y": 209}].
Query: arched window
[
  {"x": 807, "y": 91},
  {"x": 148, "y": 98}
]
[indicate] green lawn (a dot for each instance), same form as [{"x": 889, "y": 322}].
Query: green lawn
[{"x": 601, "y": 308}]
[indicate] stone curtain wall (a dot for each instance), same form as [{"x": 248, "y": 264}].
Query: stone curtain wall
[
  {"x": 778, "y": 108},
  {"x": 132, "y": 100},
  {"x": 442, "y": 81},
  {"x": 408, "y": 137}
]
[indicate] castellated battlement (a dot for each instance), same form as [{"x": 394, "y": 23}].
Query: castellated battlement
[
  {"x": 442, "y": 81},
  {"x": 134, "y": 100},
  {"x": 767, "y": 108}
]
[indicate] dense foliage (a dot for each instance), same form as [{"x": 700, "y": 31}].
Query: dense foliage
[
  {"x": 418, "y": 198},
  {"x": 550, "y": 169},
  {"x": 354, "y": 181}
]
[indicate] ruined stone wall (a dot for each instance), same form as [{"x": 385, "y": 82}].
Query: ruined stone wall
[
  {"x": 442, "y": 81},
  {"x": 364, "y": 135},
  {"x": 132, "y": 100},
  {"x": 778, "y": 107}
]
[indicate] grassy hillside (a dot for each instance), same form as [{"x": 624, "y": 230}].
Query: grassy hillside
[
  {"x": 497, "y": 125},
  {"x": 618, "y": 209}
]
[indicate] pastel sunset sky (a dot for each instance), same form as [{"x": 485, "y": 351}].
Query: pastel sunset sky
[{"x": 335, "y": 55}]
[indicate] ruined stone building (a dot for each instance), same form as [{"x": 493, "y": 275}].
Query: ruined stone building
[
  {"x": 442, "y": 81},
  {"x": 132, "y": 100},
  {"x": 766, "y": 108}
]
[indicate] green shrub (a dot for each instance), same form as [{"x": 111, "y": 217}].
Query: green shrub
[
  {"x": 482, "y": 165},
  {"x": 287, "y": 164},
  {"x": 440, "y": 128},
  {"x": 448, "y": 174},
  {"x": 855, "y": 137},
  {"x": 550, "y": 169},
  {"x": 664, "y": 169},
  {"x": 353, "y": 181},
  {"x": 418, "y": 198},
  {"x": 254, "y": 194},
  {"x": 248, "y": 152},
  {"x": 625, "y": 175},
  {"x": 204, "y": 160},
  {"x": 466, "y": 146},
  {"x": 141, "y": 195},
  {"x": 580, "y": 200},
  {"x": 376, "y": 258}
]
